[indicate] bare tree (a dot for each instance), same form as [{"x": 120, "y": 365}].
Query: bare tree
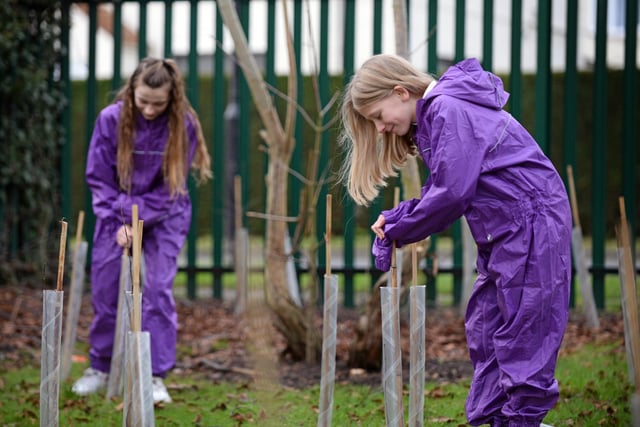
[
  {"x": 302, "y": 338},
  {"x": 290, "y": 319}
]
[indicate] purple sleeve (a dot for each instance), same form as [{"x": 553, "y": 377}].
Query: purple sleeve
[
  {"x": 381, "y": 249},
  {"x": 454, "y": 171},
  {"x": 101, "y": 172}
]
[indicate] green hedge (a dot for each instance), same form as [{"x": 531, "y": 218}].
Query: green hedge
[{"x": 31, "y": 134}]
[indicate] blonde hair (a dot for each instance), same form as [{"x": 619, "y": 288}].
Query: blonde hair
[
  {"x": 371, "y": 158},
  {"x": 156, "y": 73}
]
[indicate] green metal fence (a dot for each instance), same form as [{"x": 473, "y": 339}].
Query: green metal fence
[{"x": 541, "y": 124}]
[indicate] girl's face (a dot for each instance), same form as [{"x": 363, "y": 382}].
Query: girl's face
[
  {"x": 151, "y": 102},
  {"x": 393, "y": 114}
]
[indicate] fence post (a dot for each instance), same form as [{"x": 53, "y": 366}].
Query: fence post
[
  {"x": 570, "y": 99},
  {"x": 219, "y": 192},
  {"x": 599, "y": 154},
  {"x": 90, "y": 117},
  {"x": 348, "y": 208},
  {"x": 629, "y": 129},
  {"x": 65, "y": 158},
  {"x": 515, "y": 100},
  {"x": 193, "y": 94}
]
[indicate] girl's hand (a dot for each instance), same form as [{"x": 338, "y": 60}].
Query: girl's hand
[
  {"x": 124, "y": 236},
  {"x": 378, "y": 227}
]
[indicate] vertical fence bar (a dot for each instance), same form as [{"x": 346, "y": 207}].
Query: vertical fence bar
[
  {"x": 348, "y": 208},
  {"x": 65, "y": 159},
  {"x": 487, "y": 35},
  {"x": 245, "y": 104},
  {"x": 570, "y": 99},
  {"x": 461, "y": 6},
  {"x": 271, "y": 43},
  {"x": 91, "y": 114},
  {"x": 270, "y": 72},
  {"x": 599, "y": 154},
  {"x": 325, "y": 142},
  {"x": 629, "y": 132},
  {"x": 375, "y": 208},
  {"x": 571, "y": 86},
  {"x": 168, "y": 28},
  {"x": 432, "y": 67},
  {"x": 142, "y": 30},
  {"x": 543, "y": 75},
  {"x": 219, "y": 153},
  {"x": 193, "y": 94},
  {"x": 117, "y": 47},
  {"x": 295, "y": 186},
  {"x": 377, "y": 26},
  {"x": 432, "y": 34},
  {"x": 515, "y": 89},
  {"x": 456, "y": 228}
]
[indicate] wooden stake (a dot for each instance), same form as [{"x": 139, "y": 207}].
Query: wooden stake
[
  {"x": 579, "y": 259},
  {"x": 572, "y": 195},
  {"x": 629, "y": 282},
  {"x": 394, "y": 276},
  {"x": 241, "y": 249},
  {"x": 414, "y": 263},
  {"x": 327, "y": 236},
  {"x": 74, "y": 297},
  {"x": 136, "y": 323},
  {"x": 61, "y": 253},
  {"x": 79, "y": 230},
  {"x": 237, "y": 197}
]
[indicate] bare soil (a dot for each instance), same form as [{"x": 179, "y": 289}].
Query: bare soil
[{"x": 221, "y": 346}]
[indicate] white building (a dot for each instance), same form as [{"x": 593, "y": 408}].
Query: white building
[{"x": 418, "y": 38}]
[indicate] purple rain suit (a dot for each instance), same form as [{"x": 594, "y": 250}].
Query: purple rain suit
[
  {"x": 166, "y": 223},
  {"x": 484, "y": 165}
]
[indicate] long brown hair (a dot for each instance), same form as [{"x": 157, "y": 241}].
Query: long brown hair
[
  {"x": 156, "y": 73},
  {"x": 371, "y": 158}
]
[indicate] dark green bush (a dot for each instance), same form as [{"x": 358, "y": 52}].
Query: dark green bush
[{"x": 31, "y": 104}]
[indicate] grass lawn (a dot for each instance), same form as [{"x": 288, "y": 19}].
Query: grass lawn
[{"x": 594, "y": 383}]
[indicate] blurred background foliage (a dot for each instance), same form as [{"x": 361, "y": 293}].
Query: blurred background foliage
[{"x": 31, "y": 135}]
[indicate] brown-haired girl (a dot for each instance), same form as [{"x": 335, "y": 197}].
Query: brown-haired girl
[{"x": 141, "y": 151}]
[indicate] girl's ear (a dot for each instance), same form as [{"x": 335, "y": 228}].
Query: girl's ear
[{"x": 402, "y": 92}]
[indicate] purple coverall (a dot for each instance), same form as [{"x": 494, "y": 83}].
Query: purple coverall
[
  {"x": 166, "y": 223},
  {"x": 484, "y": 165}
]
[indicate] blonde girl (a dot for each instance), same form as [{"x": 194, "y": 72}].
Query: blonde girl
[{"x": 485, "y": 166}]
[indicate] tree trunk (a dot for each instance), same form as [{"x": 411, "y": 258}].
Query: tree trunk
[{"x": 290, "y": 319}]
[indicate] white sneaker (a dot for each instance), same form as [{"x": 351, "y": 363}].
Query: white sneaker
[
  {"x": 160, "y": 393},
  {"x": 92, "y": 381},
  {"x": 545, "y": 425}
]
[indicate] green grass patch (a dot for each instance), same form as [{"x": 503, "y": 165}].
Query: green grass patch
[
  {"x": 594, "y": 384},
  {"x": 594, "y": 388}
]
